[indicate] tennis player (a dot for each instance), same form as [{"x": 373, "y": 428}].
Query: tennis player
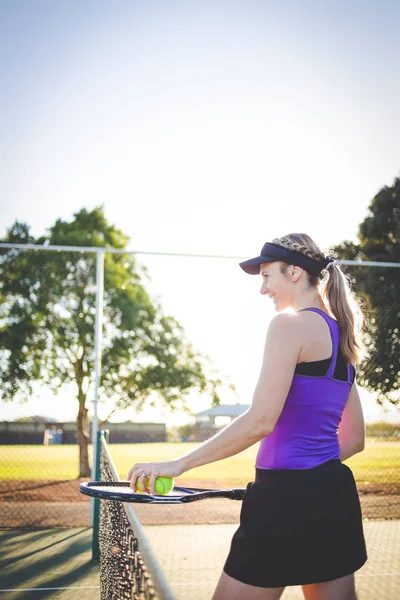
[{"x": 300, "y": 522}]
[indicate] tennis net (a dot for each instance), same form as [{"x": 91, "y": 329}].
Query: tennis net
[{"x": 128, "y": 567}]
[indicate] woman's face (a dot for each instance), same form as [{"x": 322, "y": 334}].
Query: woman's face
[{"x": 276, "y": 285}]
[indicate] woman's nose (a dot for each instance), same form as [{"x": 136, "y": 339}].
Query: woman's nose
[{"x": 264, "y": 289}]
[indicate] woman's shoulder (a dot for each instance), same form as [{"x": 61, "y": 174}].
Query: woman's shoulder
[
  {"x": 299, "y": 319},
  {"x": 298, "y": 324},
  {"x": 308, "y": 316},
  {"x": 286, "y": 324},
  {"x": 284, "y": 320}
]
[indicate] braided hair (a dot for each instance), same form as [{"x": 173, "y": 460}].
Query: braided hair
[{"x": 336, "y": 294}]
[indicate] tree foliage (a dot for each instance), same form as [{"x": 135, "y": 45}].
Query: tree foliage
[
  {"x": 379, "y": 240},
  {"x": 47, "y": 322}
]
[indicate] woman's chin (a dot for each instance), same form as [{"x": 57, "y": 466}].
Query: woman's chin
[{"x": 280, "y": 306}]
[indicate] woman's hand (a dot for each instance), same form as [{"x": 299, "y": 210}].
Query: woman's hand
[{"x": 143, "y": 471}]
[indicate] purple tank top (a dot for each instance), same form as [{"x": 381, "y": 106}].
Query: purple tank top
[{"x": 305, "y": 434}]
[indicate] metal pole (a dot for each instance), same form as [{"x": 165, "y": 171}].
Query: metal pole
[
  {"x": 97, "y": 356},
  {"x": 96, "y": 503}
]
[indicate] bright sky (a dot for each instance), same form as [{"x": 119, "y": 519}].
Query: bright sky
[{"x": 207, "y": 127}]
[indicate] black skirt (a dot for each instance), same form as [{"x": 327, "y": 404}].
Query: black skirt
[{"x": 298, "y": 527}]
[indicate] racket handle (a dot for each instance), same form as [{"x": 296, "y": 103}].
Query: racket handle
[{"x": 238, "y": 493}]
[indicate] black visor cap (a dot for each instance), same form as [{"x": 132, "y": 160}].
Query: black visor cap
[{"x": 273, "y": 252}]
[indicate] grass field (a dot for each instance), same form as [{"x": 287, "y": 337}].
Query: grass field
[{"x": 380, "y": 462}]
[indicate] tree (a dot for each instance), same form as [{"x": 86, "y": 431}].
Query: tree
[
  {"x": 379, "y": 240},
  {"x": 47, "y": 319}
]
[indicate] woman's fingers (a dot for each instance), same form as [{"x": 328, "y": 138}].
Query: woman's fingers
[
  {"x": 140, "y": 474},
  {"x": 137, "y": 471},
  {"x": 148, "y": 472},
  {"x": 152, "y": 483}
]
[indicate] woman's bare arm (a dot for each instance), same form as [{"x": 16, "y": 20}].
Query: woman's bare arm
[
  {"x": 352, "y": 427},
  {"x": 282, "y": 348}
]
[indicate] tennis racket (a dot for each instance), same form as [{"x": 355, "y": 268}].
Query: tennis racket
[{"x": 122, "y": 492}]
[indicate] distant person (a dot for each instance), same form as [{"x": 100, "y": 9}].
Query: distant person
[
  {"x": 300, "y": 522},
  {"x": 52, "y": 435},
  {"x": 58, "y": 436},
  {"x": 46, "y": 436}
]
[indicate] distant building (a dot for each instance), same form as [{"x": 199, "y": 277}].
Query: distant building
[
  {"x": 35, "y": 419},
  {"x": 205, "y": 425},
  {"x": 207, "y": 417},
  {"x": 33, "y": 432}
]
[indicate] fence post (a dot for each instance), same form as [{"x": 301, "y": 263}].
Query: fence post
[
  {"x": 96, "y": 501},
  {"x": 98, "y": 336}
]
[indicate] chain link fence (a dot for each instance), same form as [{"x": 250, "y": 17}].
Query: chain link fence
[{"x": 212, "y": 345}]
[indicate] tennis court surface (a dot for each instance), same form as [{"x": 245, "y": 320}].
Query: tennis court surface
[
  {"x": 156, "y": 552},
  {"x": 57, "y": 563},
  {"x": 52, "y": 563}
]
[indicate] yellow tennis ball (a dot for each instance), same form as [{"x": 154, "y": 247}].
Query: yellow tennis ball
[
  {"x": 163, "y": 485},
  {"x": 138, "y": 485}
]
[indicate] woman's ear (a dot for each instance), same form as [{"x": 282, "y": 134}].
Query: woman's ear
[{"x": 295, "y": 272}]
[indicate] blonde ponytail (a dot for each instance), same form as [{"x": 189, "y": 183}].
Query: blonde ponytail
[{"x": 336, "y": 295}]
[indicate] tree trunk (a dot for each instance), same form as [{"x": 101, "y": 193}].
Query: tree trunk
[
  {"x": 83, "y": 440},
  {"x": 82, "y": 422}
]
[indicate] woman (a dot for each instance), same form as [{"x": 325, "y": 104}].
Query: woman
[{"x": 300, "y": 522}]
